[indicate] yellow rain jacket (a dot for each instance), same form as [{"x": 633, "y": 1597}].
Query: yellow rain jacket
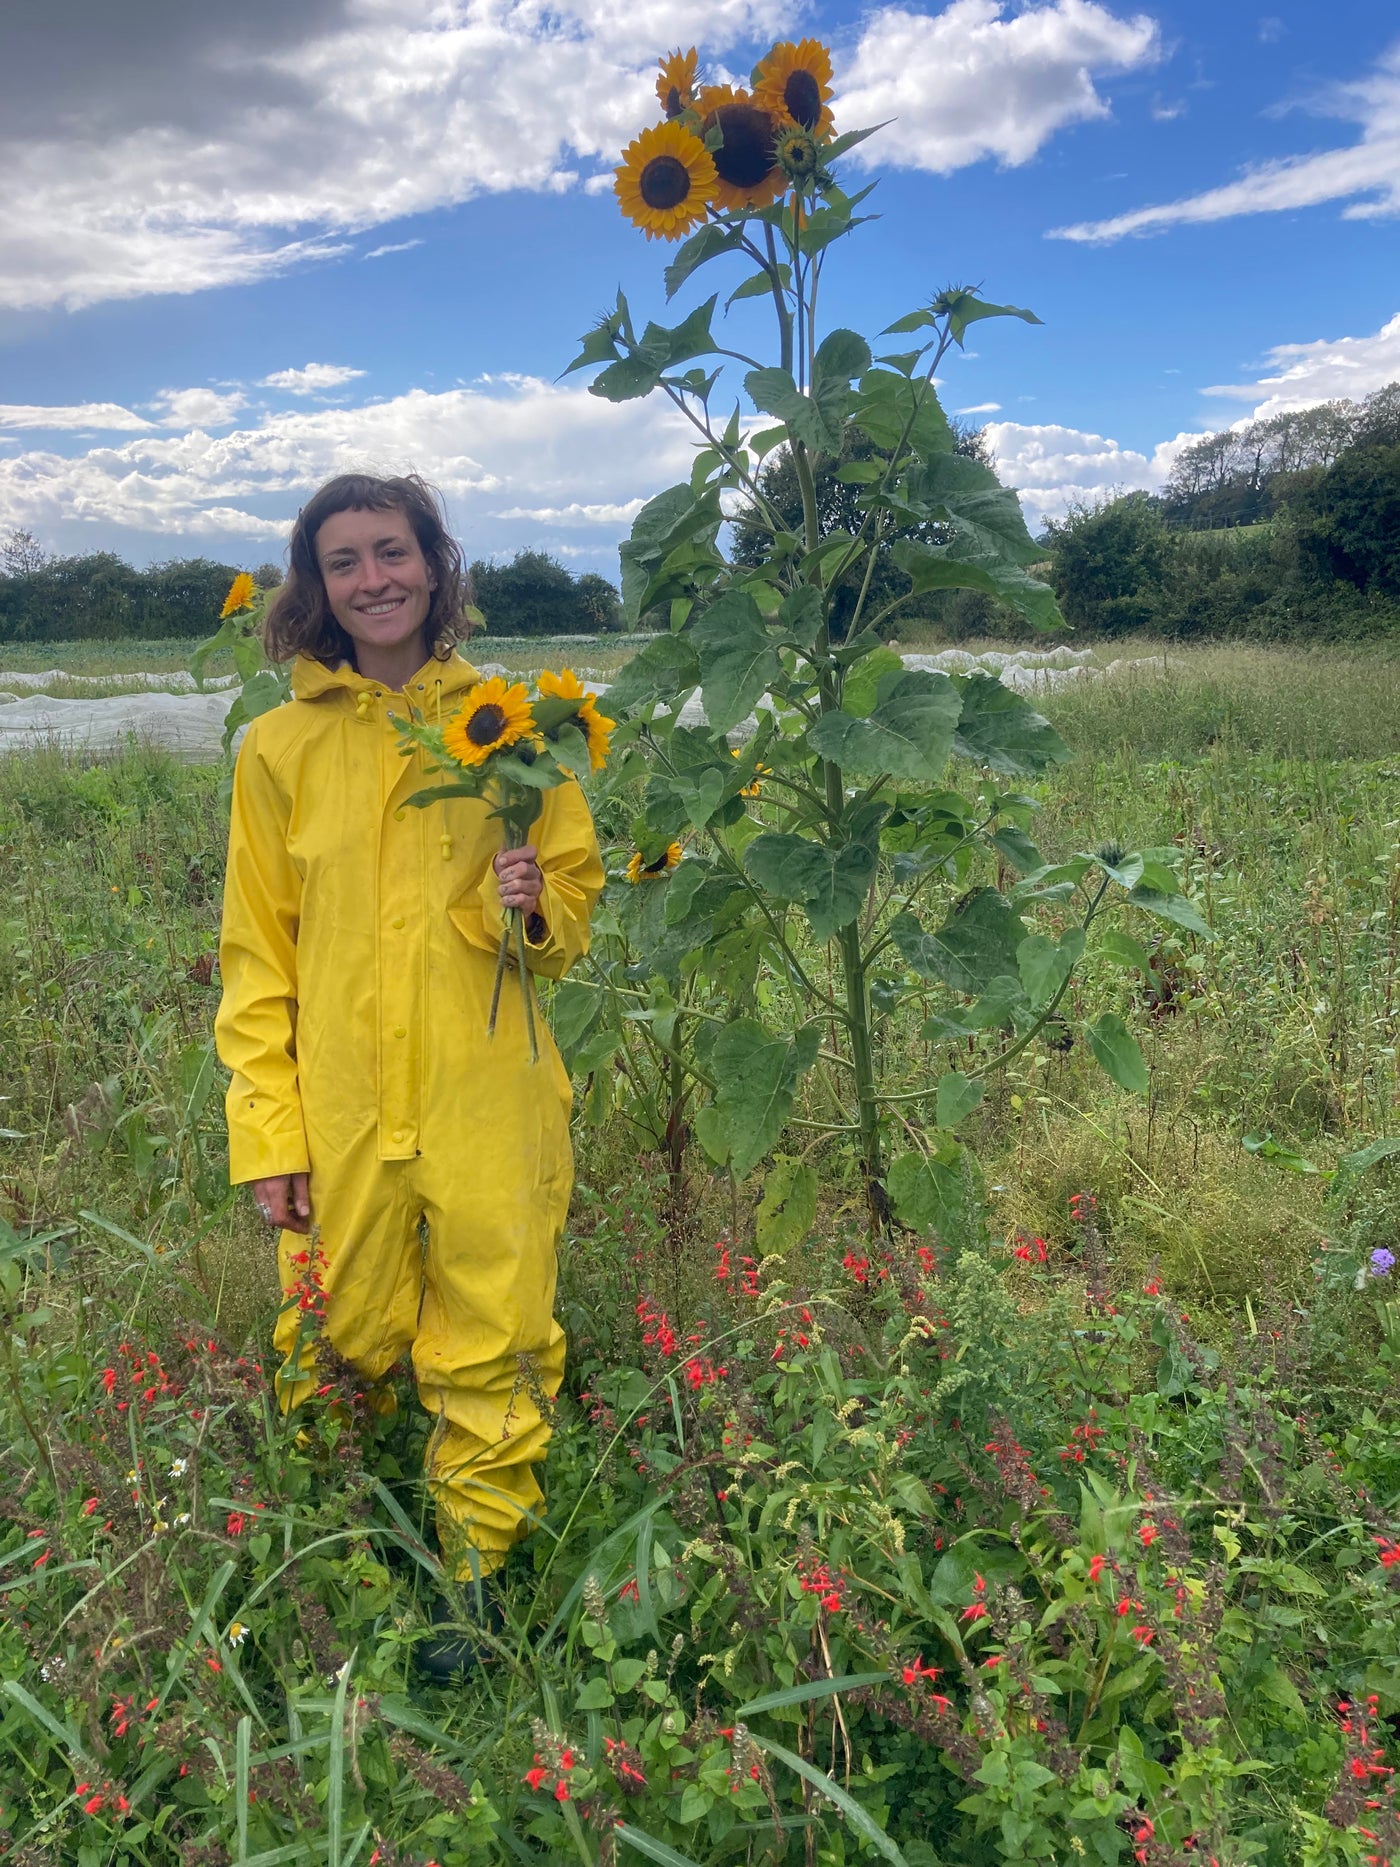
[{"x": 358, "y": 956}]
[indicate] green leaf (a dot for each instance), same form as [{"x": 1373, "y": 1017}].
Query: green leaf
[
  {"x": 1123, "y": 950},
  {"x": 932, "y": 1192},
  {"x": 1018, "y": 849},
  {"x": 1045, "y": 964},
  {"x": 1176, "y": 908},
  {"x": 598, "y": 345},
  {"x": 756, "y": 1075},
  {"x": 759, "y": 285},
  {"x": 788, "y": 1209},
  {"x": 889, "y": 408},
  {"x": 739, "y": 660},
  {"x": 697, "y": 251},
  {"x": 841, "y": 355},
  {"x": 975, "y": 945},
  {"x": 1115, "y": 1048},
  {"x": 1002, "y": 730},
  {"x": 801, "y": 614},
  {"x": 860, "y": 472},
  {"x": 861, "y": 689},
  {"x": 596, "y": 1695},
  {"x": 850, "y": 1808},
  {"x": 807, "y": 1690},
  {"x": 646, "y": 1844},
  {"x": 815, "y": 421},
  {"x": 627, "y": 380},
  {"x": 665, "y": 669},
  {"x": 909, "y": 734},
  {"x": 830, "y": 884},
  {"x": 911, "y": 321},
  {"x": 958, "y": 1096},
  {"x": 963, "y": 308}
]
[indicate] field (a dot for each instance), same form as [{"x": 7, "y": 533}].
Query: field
[{"x": 1069, "y": 1532}]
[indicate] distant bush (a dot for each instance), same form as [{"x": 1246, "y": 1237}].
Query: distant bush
[
  {"x": 537, "y": 595},
  {"x": 101, "y": 597}
]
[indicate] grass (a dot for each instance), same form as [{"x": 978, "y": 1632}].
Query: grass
[{"x": 1267, "y": 1422}]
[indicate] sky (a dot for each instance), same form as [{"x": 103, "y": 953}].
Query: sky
[{"x": 246, "y": 247}]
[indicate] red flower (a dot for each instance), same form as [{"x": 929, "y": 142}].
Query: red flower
[
  {"x": 1148, "y": 1535},
  {"x": 1144, "y": 1635},
  {"x": 831, "y": 1603},
  {"x": 917, "y": 1671},
  {"x": 1390, "y": 1551},
  {"x": 1152, "y": 1288},
  {"x": 977, "y": 1612},
  {"x": 109, "y": 1378},
  {"x": 1096, "y": 1567},
  {"x": 236, "y": 1523},
  {"x": 561, "y": 1791},
  {"x": 629, "y": 1591},
  {"x": 536, "y": 1776}
]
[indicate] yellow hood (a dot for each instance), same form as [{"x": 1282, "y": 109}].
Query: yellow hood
[{"x": 312, "y": 680}]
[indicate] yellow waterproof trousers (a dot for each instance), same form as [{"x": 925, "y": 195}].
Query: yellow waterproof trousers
[{"x": 358, "y": 956}]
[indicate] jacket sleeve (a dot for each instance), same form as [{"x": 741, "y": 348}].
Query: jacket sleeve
[
  {"x": 255, "y": 1029},
  {"x": 573, "y": 880}
]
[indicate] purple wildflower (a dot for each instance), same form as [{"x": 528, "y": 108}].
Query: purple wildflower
[{"x": 1382, "y": 1262}]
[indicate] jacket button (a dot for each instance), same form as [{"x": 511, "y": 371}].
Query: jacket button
[
  {"x": 397, "y": 920},
  {"x": 400, "y": 814},
  {"x": 399, "y": 1134},
  {"x": 399, "y": 1031}
]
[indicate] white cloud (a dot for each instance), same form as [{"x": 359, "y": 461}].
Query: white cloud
[
  {"x": 1366, "y": 174},
  {"x": 516, "y": 457},
  {"x": 1301, "y": 374},
  {"x": 384, "y": 109},
  {"x": 395, "y": 246},
  {"x": 314, "y": 377},
  {"x": 203, "y": 408},
  {"x": 968, "y": 83},
  {"x": 75, "y": 415},
  {"x": 1054, "y": 467},
  {"x": 979, "y": 408}
]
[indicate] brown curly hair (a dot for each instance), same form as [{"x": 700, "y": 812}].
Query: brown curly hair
[{"x": 299, "y": 618}]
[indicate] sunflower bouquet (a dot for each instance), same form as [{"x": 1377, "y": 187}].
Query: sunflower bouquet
[{"x": 508, "y": 748}]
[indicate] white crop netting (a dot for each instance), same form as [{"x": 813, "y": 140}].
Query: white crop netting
[{"x": 191, "y": 724}]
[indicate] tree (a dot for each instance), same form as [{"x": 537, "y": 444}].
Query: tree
[
  {"x": 1111, "y": 563},
  {"x": 21, "y": 554},
  {"x": 536, "y": 595},
  {"x": 1347, "y": 521}
]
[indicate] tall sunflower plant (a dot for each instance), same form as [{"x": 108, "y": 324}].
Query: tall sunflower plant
[
  {"x": 508, "y": 747},
  {"x": 262, "y": 684},
  {"x": 859, "y": 896}
]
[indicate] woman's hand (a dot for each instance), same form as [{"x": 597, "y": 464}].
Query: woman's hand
[
  {"x": 284, "y": 1201},
  {"x": 519, "y": 878}
]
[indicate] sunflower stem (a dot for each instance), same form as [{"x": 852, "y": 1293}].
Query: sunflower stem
[
  {"x": 501, "y": 952},
  {"x": 525, "y": 992}
]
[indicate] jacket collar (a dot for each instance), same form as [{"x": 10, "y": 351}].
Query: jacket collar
[{"x": 313, "y": 680}]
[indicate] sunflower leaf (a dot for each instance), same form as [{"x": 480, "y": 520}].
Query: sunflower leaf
[
  {"x": 756, "y": 1074},
  {"x": 908, "y": 735},
  {"x": 830, "y": 885},
  {"x": 738, "y": 658},
  {"x": 964, "y": 308},
  {"x": 775, "y": 393},
  {"x": 758, "y": 285},
  {"x": 702, "y": 247},
  {"x": 1002, "y": 730}
]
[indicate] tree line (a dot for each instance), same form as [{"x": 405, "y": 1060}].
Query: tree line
[
  {"x": 1286, "y": 528},
  {"x": 98, "y": 596}
]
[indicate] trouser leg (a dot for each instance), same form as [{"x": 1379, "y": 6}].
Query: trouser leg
[
  {"x": 357, "y": 1280},
  {"x": 489, "y": 1358}
]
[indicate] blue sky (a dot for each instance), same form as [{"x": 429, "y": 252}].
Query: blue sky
[{"x": 1199, "y": 200}]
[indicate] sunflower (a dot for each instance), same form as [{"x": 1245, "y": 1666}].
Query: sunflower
[
  {"x": 794, "y": 82},
  {"x": 666, "y": 179},
  {"x": 747, "y": 174},
  {"x": 675, "y": 88},
  {"x": 640, "y": 870},
  {"x": 596, "y": 727},
  {"x": 241, "y": 593},
  {"x": 797, "y": 155},
  {"x": 754, "y": 788},
  {"x": 492, "y": 716}
]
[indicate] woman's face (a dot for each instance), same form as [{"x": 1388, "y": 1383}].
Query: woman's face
[{"x": 377, "y": 580}]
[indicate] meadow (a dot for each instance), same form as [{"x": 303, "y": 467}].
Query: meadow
[{"x": 1067, "y": 1529}]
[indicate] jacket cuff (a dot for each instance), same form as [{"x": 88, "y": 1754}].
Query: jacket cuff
[
  {"x": 545, "y": 956},
  {"x": 262, "y": 1153}
]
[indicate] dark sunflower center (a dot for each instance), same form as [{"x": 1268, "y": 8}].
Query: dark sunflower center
[
  {"x": 655, "y": 868},
  {"x": 746, "y": 154},
  {"x": 674, "y": 103},
  {"x": 665, "y": 182},
  {"x": 486, "y": 725},
  {"x": 803, "y": 97}
]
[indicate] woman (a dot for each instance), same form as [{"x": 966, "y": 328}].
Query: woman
[{"x": 358, "y": 955}]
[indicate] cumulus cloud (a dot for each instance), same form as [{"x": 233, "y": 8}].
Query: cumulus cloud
[
  {"x": 360, "y": 113},
  {"x": 314, "y": 377},
  {"x": 1300, "y": 374},
  {"x": 80, "y": 416},
  {"x": 516, "y": 457},
  {"x": 970, "y": 82},
  {"x": 203, "y": 408},
  {"x": 1366, "y": 174},
  {"x": 159, "y": 147},
  {"x": 1054, "y": 467}
]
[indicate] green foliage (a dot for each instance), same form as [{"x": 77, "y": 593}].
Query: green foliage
[
  {"x": 535, "y": 595},
  {"x": 99, "y": 596}
]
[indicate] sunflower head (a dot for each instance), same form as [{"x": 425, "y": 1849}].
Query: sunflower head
[
  {"x": 640, "y": 870},
  {"x": 747, "y": 175},
  {"x": 675, "y": 85},
  {"x": 493, "y": 715},
  {"x": 753, "y": 788},
  {"x": 797, "y": 155},
  {"x": 241, "y": 595},
  {"x": 565, "y": 685},
  {"x": 666, "y": 180},
  {"x": 794, "y": 83},
  {"x": 597, "y": 730}
]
